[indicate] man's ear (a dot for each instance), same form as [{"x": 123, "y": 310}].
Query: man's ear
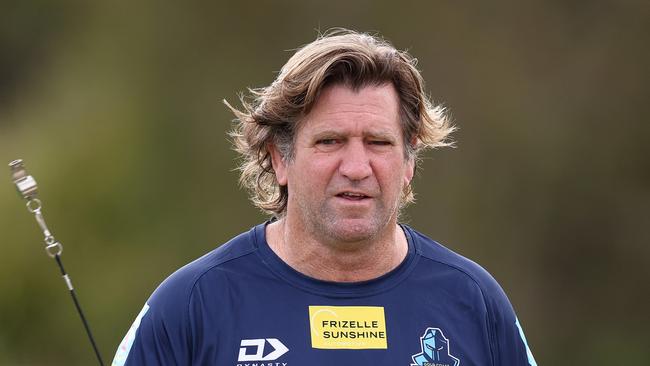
[
  {"x": 410, "y": 164},
  {"x": 279, "y": 165},
  {"x": 410, "y": 171}
]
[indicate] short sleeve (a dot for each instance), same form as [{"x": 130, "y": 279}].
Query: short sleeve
[
  {"x": 508, "y": 342},
  {"x": 161, "y": 333}
]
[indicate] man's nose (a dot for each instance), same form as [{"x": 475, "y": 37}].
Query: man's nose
[{"x": 355, "y": 162}]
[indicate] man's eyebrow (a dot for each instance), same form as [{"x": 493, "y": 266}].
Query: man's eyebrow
[
  {"x": 381, "y": 134},
  {"x": 377, "y": 134},
  {"x": 327, "y": 133}
]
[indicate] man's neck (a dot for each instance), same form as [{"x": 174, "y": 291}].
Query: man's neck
[{"x": 338, "y": 262}]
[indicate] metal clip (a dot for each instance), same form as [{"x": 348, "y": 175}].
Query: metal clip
[
  {"x": 25, "y": 183},
  {"x": 26, "y": 186}
]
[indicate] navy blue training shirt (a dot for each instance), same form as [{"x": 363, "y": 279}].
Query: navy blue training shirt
[{"x": 241, "y": 305}]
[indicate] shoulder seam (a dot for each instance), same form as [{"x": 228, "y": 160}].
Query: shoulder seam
[{"x": 219, "y": 263}]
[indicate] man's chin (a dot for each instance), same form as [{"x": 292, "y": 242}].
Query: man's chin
[{"x": 354, "y": 230}]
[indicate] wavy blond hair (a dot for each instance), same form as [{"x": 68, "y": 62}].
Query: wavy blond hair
[{"x": 272, "y": 115}]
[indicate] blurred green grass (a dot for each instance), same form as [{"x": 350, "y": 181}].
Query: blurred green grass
[{"x": 116, "y": 110}]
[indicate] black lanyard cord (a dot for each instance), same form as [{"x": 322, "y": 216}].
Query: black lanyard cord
[{"x": 68, "y": 282}]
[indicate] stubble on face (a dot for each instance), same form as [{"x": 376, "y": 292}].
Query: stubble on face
[{"x": 329, "y": 224}]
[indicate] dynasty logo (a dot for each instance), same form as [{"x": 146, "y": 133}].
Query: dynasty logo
[{"x": 252, "y": 352}]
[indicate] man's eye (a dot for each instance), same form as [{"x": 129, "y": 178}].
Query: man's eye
[
  {"x": 326, "y": 141},
  {"x": 380, "y": 142}
]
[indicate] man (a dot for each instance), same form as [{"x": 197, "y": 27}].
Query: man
[{"x": 330, "y": 148}]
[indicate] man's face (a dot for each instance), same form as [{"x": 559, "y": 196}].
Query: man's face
[{"x": 348, "y": 167}]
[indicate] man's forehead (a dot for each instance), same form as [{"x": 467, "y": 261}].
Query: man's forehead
[
  {"x": 374, "y": 108},
  {"x": 345, "y": 96}
]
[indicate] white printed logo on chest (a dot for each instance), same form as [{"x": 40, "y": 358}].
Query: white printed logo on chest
[{"x": 434, "y": 350}]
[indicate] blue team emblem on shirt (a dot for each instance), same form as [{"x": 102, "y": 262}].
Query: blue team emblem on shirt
[{"x": 435, "y": 350}]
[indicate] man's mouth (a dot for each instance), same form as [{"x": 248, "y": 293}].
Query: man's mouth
[{"x": 353, "y": 196}]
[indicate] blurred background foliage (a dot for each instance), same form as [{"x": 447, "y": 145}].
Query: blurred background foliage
[{"x": 116, "y": 109}]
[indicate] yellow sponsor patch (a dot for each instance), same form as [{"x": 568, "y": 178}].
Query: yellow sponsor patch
[{"x": 348, "y": 327}]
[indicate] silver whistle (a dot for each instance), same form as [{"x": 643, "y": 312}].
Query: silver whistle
[{"x": 25, "y": 183}]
